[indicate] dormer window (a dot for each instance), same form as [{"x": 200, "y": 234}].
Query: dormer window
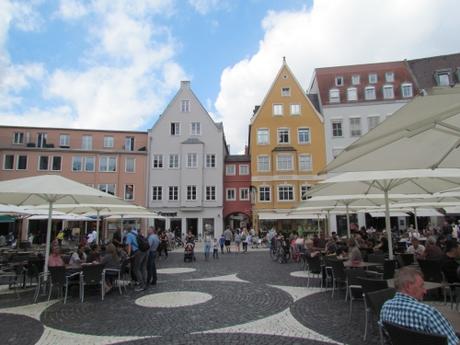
[
  {"x": 355, "y": 79},
  {"x": 389, "y": 77},
  {"x": 442, "y": 77},
  {"x": 185, "y": 106},
  {"x": 285, "y": 91},
  {"x": 388, "y": 92},
  {"x": 373, "y": 78},
  {"x": 338, "y": 81},
  {"x": 334, "y": 96},
  {"x": 406, "y": 90}
]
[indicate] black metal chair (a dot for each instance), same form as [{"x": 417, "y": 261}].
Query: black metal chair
[
  {"x": 338, "y": 273},
  {"x": 115, "y": 274},
  {"x": 10, "y": 279},
  {"x": 59, "y": 279},
  {"x": 376, "y": 300},
  {"x": 92, "y": 275},
  {"x": 313, "y": 268},
  {"x": 33, "y": 269},
  {"x": 405, "y": 259},
  {"x": 432, "y": 272},
  {"x": 354, "y": 289},
  {"x": 389, "y": 267},
  {"x": 400, "y": 335}
]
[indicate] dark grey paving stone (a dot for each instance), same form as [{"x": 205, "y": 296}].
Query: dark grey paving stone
[{"x": 19, "y": 330}]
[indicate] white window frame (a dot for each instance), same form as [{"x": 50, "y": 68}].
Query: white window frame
[
  {"x": 126, "y": 165},
  {"x": 266, "y": 189},
  {"x": 39, "y": 163},
  {"x": 373, "y": 78},
  {"x": 157, "y": 193},
  {"x": 195, "y": 128},
  {"x": 368, "y": 97},
  {"x": 106, "y": 188},
  {"x": 42, "y": 138},
  {"x": 52, "y": 163},
  {"x": 125, "y": 189},
  {"x": 289, "y": 191},
  {"x": 259, "y": 163},
  {"x": 301, "y": 162},
  {"x": 389, "y": 77},
  {"x": 295, "y": 109},
  {"x": 390, "y": 95},
  {"x": 13, "y": 163},
  {"x": 370, "y": 121},
  {"x": 211, "y": 193},
  {"x": 109, "y": 141},
  {"x": 157, "y": 161},
  {"x": 227, "y": 196},
  {"x": 230, "y": 169},
  {"x": 352, "y": 94},
  {"x": 192, "y": 160},
  {"x": 73, "y": 163},
  {"x": 281, "y": 133},
  {"x": 85, "y": 160},
  {"x": 174, "y": 129},
  {"x": 129, "y": 143},
  {"x": 334, "y": 95},
  {"x": 185, "y": 106},
  {"x": 285, "y": 91},
  {"x": 109, "y": 159},
  {"x": 407, "y": 86},
  {"x": 243, "y": 169},
  {"x": 175, "y": 159},
  {"x": 18, "y": 160},
  {"x": 19, "y": 138},
  {"x": 192, "y": 194},
  {"x": 284, "y": 158},
  {"x": 173, "y": 193},
  {"x": 301, "y": 131},
  {"x": 353, "y": 131},
  {"x": 263, "y": 133},
  {"x": 242, "y": 191},
  {"x": 336, "y": 121},
  {"x": 355, "y": 79},
  {"x": 210, "y": 160},
  {"x": 86, "y": 142},
  {"x": 302, "y": 191},
  {"x": 64, "y": 140},
  {"x": 339, "y": 80},
  {"x": 278, "y": 109}
]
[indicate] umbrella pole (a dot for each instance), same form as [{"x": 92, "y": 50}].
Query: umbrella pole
[
  {"x": 319, "y": 228},
  {"x": 388, "y": 225},
  {"x": 328, "y": 222},
  {"x": 97, "y": 227},
  {"x": 415, "y": 218},
  {"x": 48, "y": 237},
  {"x": 348, "y": 222}
]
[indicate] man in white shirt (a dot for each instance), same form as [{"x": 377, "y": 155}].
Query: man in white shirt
[
  {"x": 416, "y": 248},
  {"x": 92, "y": 237}
]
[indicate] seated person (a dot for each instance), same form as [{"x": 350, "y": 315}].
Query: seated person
[
  {"x": 78, "y": 257},
  {"x": 55, "y": 259},
  {"x": 416, "y": 248},
  {"x": 432, "y": 250},
  {"x": 310, "y": 250},
  {"x": 449, "y": 264},
  {"x": 406, "y": 310},
  {"x": 382, "y": 246},
  {"x": 354, "y": 254},
  {"x": 110, "y": 260},
  {"x": 94, "y": 254}
]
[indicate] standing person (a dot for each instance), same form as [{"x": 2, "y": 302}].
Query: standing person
[
  {"x": 154, "y": 242},
  {"x": 215, "y": 251},
  {"x": 92, "y": 237},
  {"x": 138, "y": 260},
  {"x": 163, "y": 244},
  {"x": 228, "y": 235},
  {"x": 244, "y": 239},
  {"x": 60, "y": 237},
  {"x": 406, "y": 310},
  {"x": 207, "y": 245},
  {"x": 238, "y": 240},
  {"x": 221, "y": 243}
]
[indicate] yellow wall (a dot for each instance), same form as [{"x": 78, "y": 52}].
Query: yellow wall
[{"x": 265, "y": 119}]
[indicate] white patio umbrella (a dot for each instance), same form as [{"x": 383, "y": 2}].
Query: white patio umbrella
[
  {"x": 417, "y": 181},
  {"x": 423, "y": 134},
  {"x": 51, "y": 189}
]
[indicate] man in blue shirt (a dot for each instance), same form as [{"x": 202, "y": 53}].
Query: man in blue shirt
[
  {"x": 154, "y": 242},
  {"x": 138, "y": 260},
  {"x": 406, "y": 310}
]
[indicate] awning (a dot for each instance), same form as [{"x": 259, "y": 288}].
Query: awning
[
  {"x": 276, "y": 216},
  {"x": 428, "y": 212},
  {"x": 452, "y": 209},
  {"x": 392, "y": 214},
  {"x": 7, "y": 219}
]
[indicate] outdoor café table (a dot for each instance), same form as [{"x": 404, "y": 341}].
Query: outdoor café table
[
  {"x": 362, "y": 264},
  {"x": 70, "y": 269},
  {"x": 428, "y": 285},
  {"x": 453, "y": 316}
]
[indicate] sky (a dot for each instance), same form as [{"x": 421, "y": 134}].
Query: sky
[{"x": 116, "y": 64}]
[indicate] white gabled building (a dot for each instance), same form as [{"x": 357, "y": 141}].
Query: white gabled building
[{"x": 186, "y": 161}]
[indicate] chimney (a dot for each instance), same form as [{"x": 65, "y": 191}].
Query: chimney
[{"x": 185, "y": 84}]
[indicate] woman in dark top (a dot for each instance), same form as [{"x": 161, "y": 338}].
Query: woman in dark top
[{"x": 110, "y": 260}]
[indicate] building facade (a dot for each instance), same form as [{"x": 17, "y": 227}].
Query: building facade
[
  {"x": 186, "y": 162},
  {"x": 237, "y": 191},
  {"x": 287, "y": 149}
]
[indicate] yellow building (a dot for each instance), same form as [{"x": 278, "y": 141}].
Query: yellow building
[{"x": 287, "y": 148}]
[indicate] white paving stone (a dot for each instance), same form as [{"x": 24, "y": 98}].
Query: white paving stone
[
  {"x": 173, "y": 299},
  {"x": 31, "y": 310},
  {"x": 281, "y": 324},
  {"x": 226, "y": 278},
  {"x": 297, "y": 292},
  {"x": 299, "y": 274},
  {"x": 176, "y": 270}
]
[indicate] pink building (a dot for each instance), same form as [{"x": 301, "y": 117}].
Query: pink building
[
  {"x": 237, "y": 189},
  {"x": 112, "y": 161}
]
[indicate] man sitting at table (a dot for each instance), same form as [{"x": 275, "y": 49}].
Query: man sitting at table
[
  {"x": 406, "y": 310},
  {"x": 416, "y": 248},
  {"x": 449, "y": 264}
]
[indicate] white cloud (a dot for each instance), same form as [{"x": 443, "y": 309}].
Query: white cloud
[
  {"x": 203, "y": 7},
  {"x": 72, "y": 9},
  {"x": 53, "y": 117},
  {"x": 328, "y": 34}
]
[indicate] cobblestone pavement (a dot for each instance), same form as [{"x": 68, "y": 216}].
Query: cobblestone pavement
[{"x": 239, "y": 298}]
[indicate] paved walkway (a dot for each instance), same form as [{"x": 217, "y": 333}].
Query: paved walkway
[{"x": 239, "y": 298}]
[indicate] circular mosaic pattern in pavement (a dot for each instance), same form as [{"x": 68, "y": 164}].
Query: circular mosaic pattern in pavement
[
  {"x": 29, "y": 331},
  {"x": 300, "y": 274},
  {"x": 173, "y": 299},
  {"x": 175, "y": 270}
]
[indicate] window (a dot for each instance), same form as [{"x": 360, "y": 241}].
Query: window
[
  {"x": 90, "y": 163},
  {"x": 263, "y": 136},
  {"x": 107, "y": 188},
  {"x": 77, "y": 163},
  {"x": 43, "y": 162},
  {"x": 8, "y": 162},
  {"x": 283, "y": 162},
  {"x": 443, "y": 78},
  {"x": 277, "y": 109},
  {"x": 185, "y": 106},
  {"x": 372, "y": 122},
  {"x": 108, "y": 142},
  {"x": 56, "y": 162},
  {"x": 173, "y": 193},
  {"x": 264, "y": 193},
  {"x": 389, "y": 77},
  {"x": 355, "y": 126},
  {"x": 21, "y": 163},
  {"x": 338, "y": 81},
  {"x": 230, "y": 169},
  {"x": 41, "y": 139},
  {"x": 352, "y": 94},
  {"x": 107, "y": 164},
  {"x": 175, "y": 128},
  {"x": 196, "y": 128},
  {"x": 285, "y": 91},
  {"x": 87, "y": 142},
  {"x": 303, "y": 135},
  {"x": 210, "y": 160},
  {"x": 263, "y": 163},
  {"x": 230, "y": 194},
  {"x": 157, "y": 192},
  {"x": 129, "y": 144},
  {"x": 406, "y": 90},
  {"x": 285, "y": 193},
  {"x": 210, "y": 193},
  {"x": 369, "y": 93},
  {"x": 191, "y": 193},
  {"x": 303, "y": 190},
  {"x": 283, "y": 135},
  {"x": 157, "y": 162},
  {"x": 130, "y": 165},
  {"x": 373, "y": 78},
  {"x": 337, "y": 128},
  {"x": 388, "y": 92},
  {"x": 305, "y": 163},
  {"x": 244, "y": 193},
  {"x": 192, "y": 160},
  {"x": 173, "y": 161},
  {"x": 129, "y": 192},
  {"x": 18, "y": 138},
  {"x": 64, "y": 140},
  {"x": 334, "y": 96},
  {"x": 295, "y": 109},
  {"x": 244, "y": 169},
  {"x": 355, "y": 79}
]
